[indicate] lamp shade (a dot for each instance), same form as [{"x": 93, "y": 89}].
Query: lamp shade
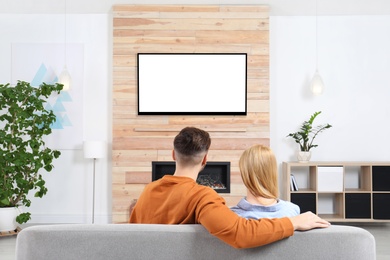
[
  {"x": 94, "y": 149},
  {"x": 317, "y": 85},
  {"x": 65, "y": 79}
]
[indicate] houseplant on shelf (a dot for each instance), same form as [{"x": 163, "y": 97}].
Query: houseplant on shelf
[
  {"x": 306, "y": 135},
  {"x": 24, "y": 121}
]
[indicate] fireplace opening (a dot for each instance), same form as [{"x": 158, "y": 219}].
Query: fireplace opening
[{"x": 215, "y": 175}]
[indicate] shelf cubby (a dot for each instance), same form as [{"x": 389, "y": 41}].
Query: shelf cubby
[
  {"x": 307, "y": 201},
  {"x": 358, "y": 205},
  {"x": 330, "y": 205},
  {"x": 380, "y": 178},
  {"x": 357, "y": 178},
  {"x": 305, "y": 178},
  {"x": 381, "y": 206}
]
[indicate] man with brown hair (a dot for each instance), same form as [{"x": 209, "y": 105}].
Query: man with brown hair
[{"x": 178, "y": 199}]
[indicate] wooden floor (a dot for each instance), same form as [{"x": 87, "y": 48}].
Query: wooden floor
[{"x": 381, "y": 233}]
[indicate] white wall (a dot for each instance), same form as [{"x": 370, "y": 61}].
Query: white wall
[
  {"x": 354, "y": 60},
  {"x": 69, "y": 199}
]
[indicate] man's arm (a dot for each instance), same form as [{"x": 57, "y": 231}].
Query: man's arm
[{"x": 220, "y": 221}]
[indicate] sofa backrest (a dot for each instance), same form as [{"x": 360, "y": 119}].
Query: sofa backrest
[{"x": 145, "y": 241}]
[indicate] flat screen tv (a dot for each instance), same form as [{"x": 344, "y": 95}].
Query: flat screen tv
[{"x": 192, "y": 83}]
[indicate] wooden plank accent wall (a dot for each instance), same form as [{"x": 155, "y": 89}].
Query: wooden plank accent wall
[{"x": 139, "y": 140}]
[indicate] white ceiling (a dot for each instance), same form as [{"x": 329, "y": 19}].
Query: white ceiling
[{"x": 277, "y": 7}]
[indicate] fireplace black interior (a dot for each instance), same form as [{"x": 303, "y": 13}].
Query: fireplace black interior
[{"x": 215, "y": 175}]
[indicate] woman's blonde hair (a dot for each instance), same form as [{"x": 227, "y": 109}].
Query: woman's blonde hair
[{"x": 259, "y": 171}]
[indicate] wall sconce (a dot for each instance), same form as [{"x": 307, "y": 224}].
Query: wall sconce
[{"x": 94, "y": 150}]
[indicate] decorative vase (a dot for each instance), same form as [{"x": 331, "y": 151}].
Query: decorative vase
[
  {"x": 8, "y": 219},
  {"x": 304, "y": 157}
]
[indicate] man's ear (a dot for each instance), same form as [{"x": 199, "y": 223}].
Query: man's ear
[
  {"x": 173, "y": 155},
  {"x": 204, "y": 161}
]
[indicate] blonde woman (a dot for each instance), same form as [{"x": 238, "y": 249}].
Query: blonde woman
[{"x": 259, "y": 173}]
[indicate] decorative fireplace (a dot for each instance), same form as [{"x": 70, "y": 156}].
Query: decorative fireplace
[{"x": 215, "y": 175}]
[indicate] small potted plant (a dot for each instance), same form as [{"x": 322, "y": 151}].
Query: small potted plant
[
  {"x": 24, "y": 122},
  {"x": 306, "y": 135}
]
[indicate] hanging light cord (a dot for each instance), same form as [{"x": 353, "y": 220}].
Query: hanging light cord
[
  {"x": 316, "y": 35},
  {"x": 65, "y": 38}
]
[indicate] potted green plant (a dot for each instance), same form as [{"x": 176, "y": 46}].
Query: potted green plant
[
  {"x": 24, "y": 121},
  {"x": 306, "y": 135}
]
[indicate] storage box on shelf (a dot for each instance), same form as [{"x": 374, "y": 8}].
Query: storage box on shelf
[{"x": 341, "y": 191}]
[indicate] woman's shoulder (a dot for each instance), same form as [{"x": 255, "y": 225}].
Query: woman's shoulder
[{"x": 285, "y": 203}]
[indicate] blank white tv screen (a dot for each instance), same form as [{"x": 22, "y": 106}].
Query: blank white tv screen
[{"x": 192, "y": 83}]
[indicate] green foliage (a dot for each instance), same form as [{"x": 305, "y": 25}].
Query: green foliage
[
  {"x": 307, "y": 133},
  {"x": 24, "y": 122}
]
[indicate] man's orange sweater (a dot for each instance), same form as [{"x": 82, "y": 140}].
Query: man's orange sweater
[{"x": 180, "y": 200}]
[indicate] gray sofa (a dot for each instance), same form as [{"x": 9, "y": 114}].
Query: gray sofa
[{"x": 144, "y": 241}]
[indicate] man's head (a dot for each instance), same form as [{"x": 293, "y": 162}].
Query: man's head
[{"x": 191, "y": 145}]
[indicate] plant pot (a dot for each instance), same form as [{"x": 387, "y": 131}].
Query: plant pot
[
  {"x": 8, "y": 219},
  {"x": 304, "y": 157}
]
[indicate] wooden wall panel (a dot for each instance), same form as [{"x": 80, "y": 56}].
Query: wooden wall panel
[{"x": 139, "y": 140}]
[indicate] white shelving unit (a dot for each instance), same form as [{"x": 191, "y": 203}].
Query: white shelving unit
[{"x": 341, "y": 191}]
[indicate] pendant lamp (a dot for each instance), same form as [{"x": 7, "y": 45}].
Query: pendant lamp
[
  {"x": 65, "y": 77},
  {"x": 317, "y": 84}
]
